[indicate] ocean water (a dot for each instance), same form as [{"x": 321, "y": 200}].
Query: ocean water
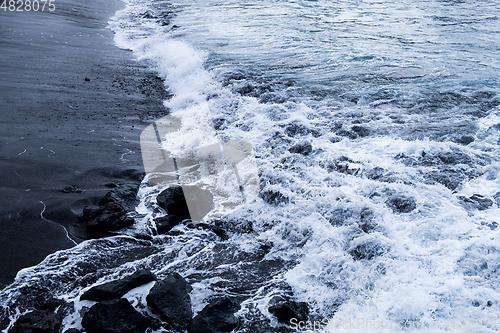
[{"x": 387, "y": 208}]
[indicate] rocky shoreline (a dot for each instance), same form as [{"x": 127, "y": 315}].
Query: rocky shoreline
[
  {"x": 166, "y": 302},
  {"x": 169, "y": 307}
]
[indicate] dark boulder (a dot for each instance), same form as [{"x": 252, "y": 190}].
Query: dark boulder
[
  {"x": 286, "y": 310},
  {"x": 165, "y": 223},
  {"x": 476, "y": 201},
  {"x": 116, "y": 289},
  {"x": 173, "y": 201},
  {"x": 401, "y": 204},
  {"x": 304, "y": 148},
  {"x": 116, "y": 316},
  {"x": 100, "y": 220},
  {"x": 170, "y": 299},
  {"x": 124, "y": 194},
  {"x": 216, "y": 317},
  {"x": 38, "y": 321}
]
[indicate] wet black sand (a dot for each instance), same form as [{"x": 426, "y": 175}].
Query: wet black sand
[{"x": 72, "y": 106}]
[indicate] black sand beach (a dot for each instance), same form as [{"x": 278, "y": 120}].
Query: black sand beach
[{"x": 72, "y": 107}]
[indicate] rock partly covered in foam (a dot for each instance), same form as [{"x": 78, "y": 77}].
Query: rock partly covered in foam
[
  {"x": 274, "y": 197},
  {"x": 118, "y": 288},
  {"x": 216, "y": 229},
  {"x": 216, "y": 317},
  {"x": 401, "y": 204},
  {"x": 304, "y": 148},
  {"x": 285, "y": 310},
  {"x": 39, "y": 321},
  {"x": 173, "y": 201},
  {"x": 46, "y": 317},
  {"x": 114, "y": 316},
  {"x": 368, "y": 247},
  {"x": 170, "y": 299},
  {"x": 476, "y": 201}
]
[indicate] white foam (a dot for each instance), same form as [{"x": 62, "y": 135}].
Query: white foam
[{"x": 438, "y": 261}]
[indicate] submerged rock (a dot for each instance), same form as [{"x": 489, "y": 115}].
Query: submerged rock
[
  {"x": 401, "y": 204},
  {"x": 286, "y": 310},
  {"x": 216, "y": 317},
  {"x": 304, "y": 148},
  {"x": 448, "y": 177},
  {"x": 38, "y": 321},
  {"x": 298, "y": 129},
  {"x": 116, "y": 316},
  {"x": 346, "y": 133},
  {"x": 368, "y": 247},
  {"x": 116, "y": 289},
  {"x": 476, "y": 201},
  {"x": 360, "y": 130},
  {"x": 366, "y": 222},
  {"x": 274, "y": 197},
  {"x": 100, "y": 220},
  {"x": 465, "y": 139},
  {"x": 170, "y": 299}
]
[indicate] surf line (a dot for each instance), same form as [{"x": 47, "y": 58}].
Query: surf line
[{"x": 184, "y": 149}]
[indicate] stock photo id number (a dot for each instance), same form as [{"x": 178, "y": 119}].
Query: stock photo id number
[{"x": 28, "y": 6}]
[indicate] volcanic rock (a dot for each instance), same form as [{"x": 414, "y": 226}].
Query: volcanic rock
[
  {"x": 173, "y": 201},
  {"x": 100, "y": 220},
  {"x": 287, "y": 310},
  {"x": 116, "y": 289},
  {"x": 115, "y": 316},
  {"x": 216, "y": 317},
  {"x": 170, "y": 299},
  {"x": 38, "y": 321}
]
